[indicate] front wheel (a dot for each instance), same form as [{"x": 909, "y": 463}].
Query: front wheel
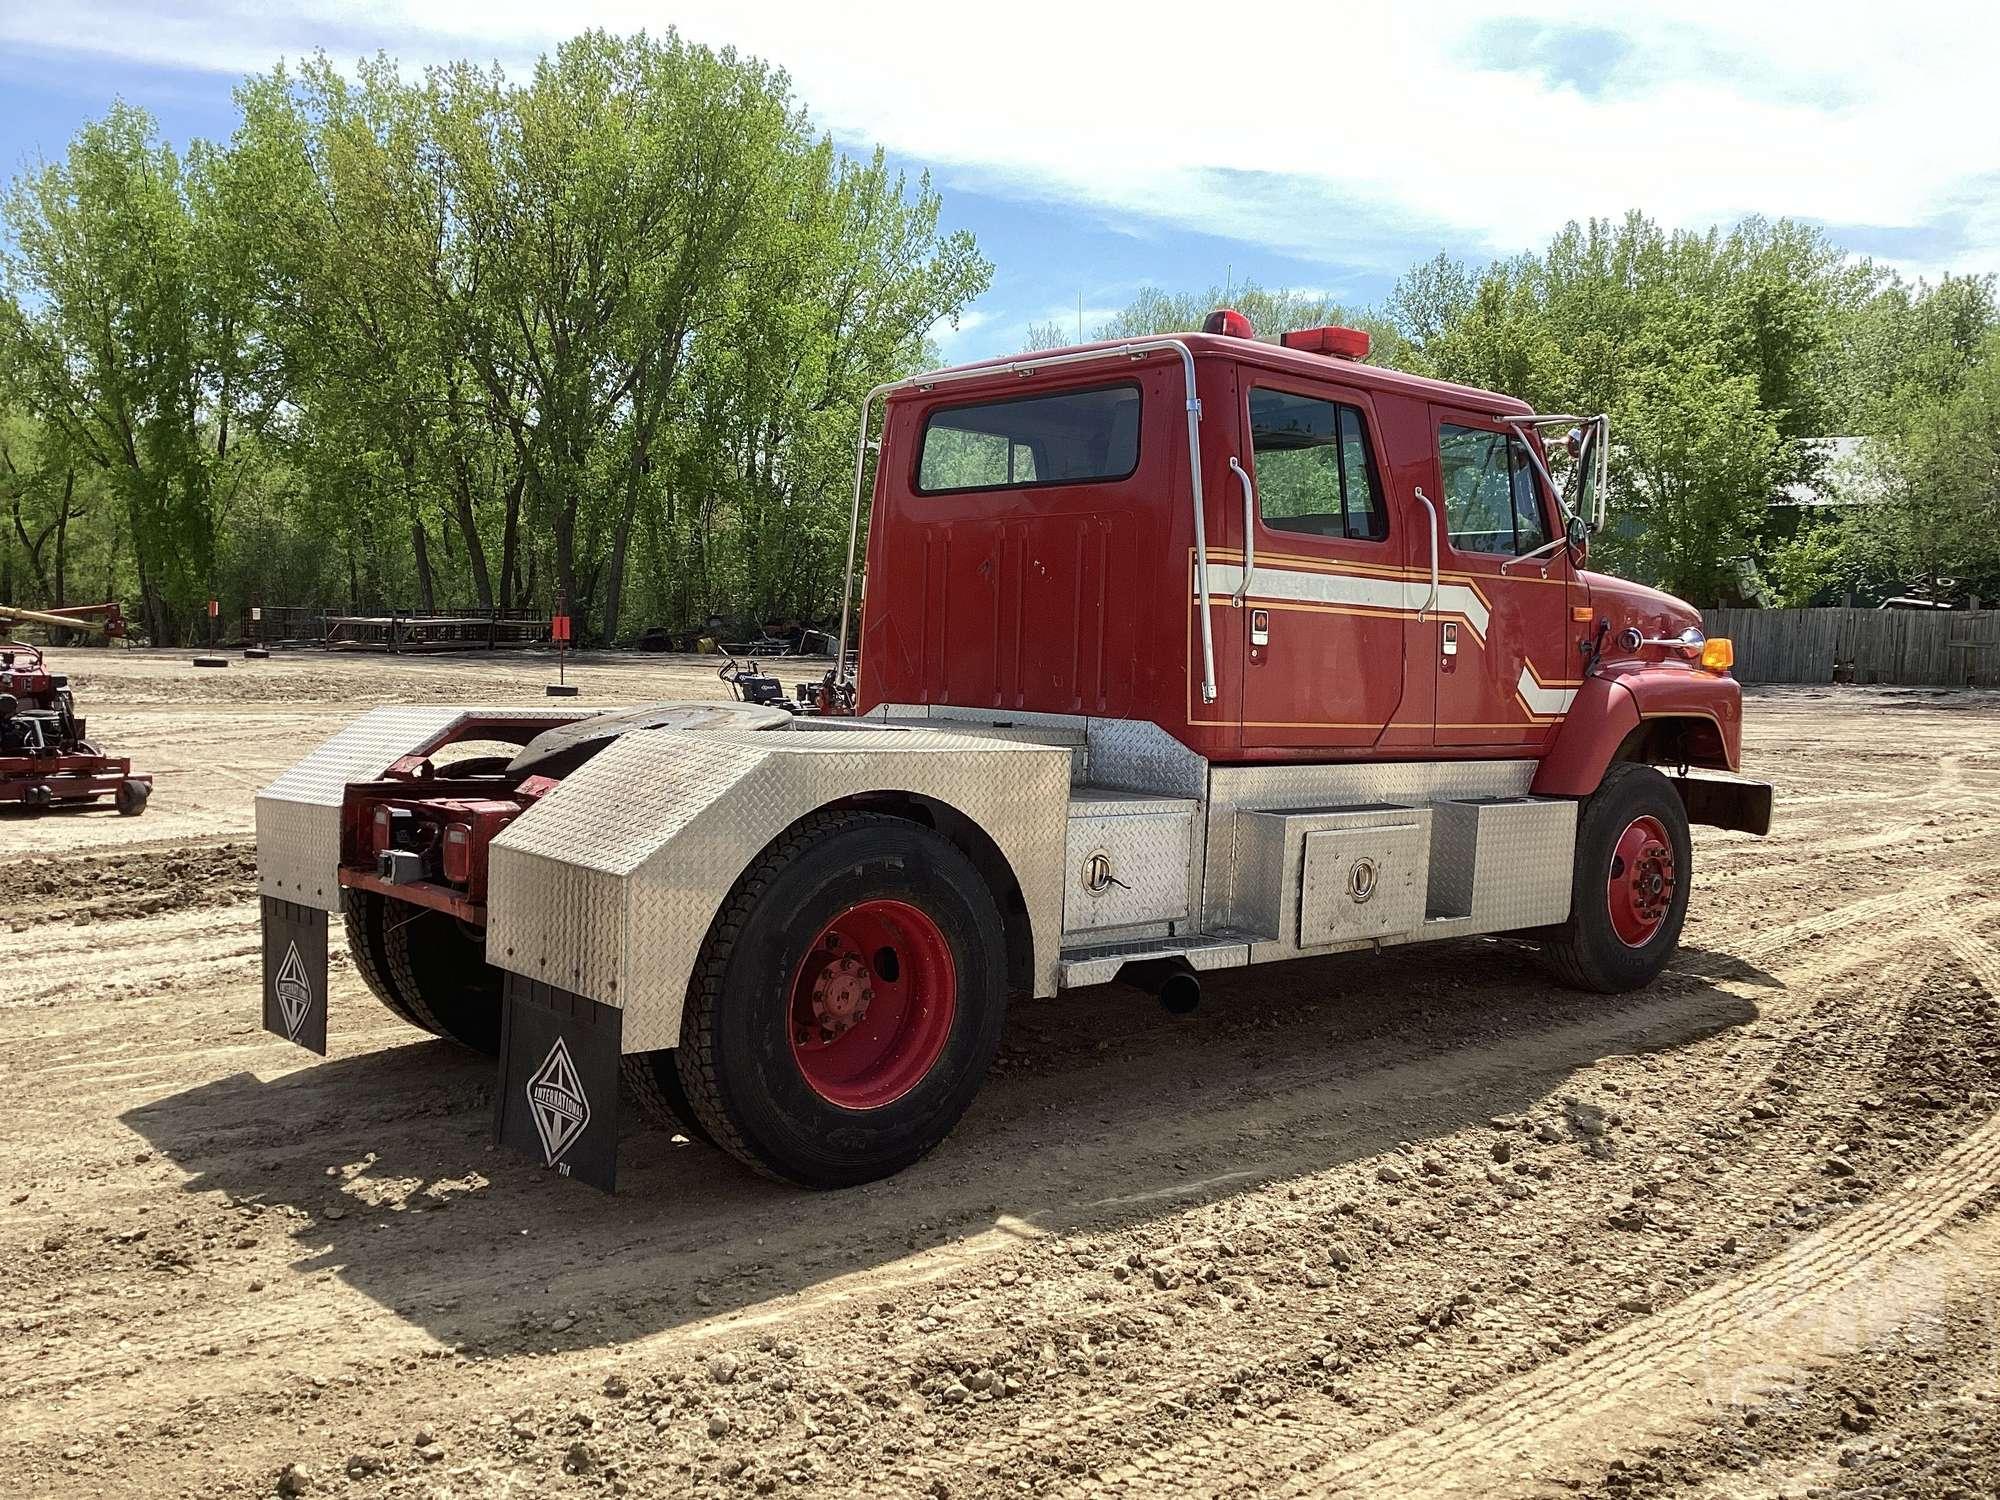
[
  {"x": 847, "y": 1003},
  {"x": 1629, "y": 890}
]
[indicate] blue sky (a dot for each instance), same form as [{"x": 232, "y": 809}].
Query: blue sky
[{"x": 1095, "y": 149}]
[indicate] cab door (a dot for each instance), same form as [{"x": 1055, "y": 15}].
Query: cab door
[
  {"x": 1318, "y": 584},
  {"x": 1499, "y": 634}
]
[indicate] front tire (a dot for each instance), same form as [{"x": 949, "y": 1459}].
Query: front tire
[
  {"x": 847, "y": 1002},
  {"x": 1629, "y": 888}
]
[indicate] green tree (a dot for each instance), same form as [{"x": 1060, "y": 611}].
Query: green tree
[
  {"x": 128, "y": 333},
  {"x": 1697, "y": 456},
  {"x": 1271, "y": 312}
]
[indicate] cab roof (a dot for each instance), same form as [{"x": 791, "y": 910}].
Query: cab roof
[{"x": 1255, "y": 351}]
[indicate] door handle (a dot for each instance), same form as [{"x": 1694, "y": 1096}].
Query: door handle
[
  {"x": 1249, "y": 532},
  {"x": 1431, "y": 511},
  {"x": 1260, "y": 627}
]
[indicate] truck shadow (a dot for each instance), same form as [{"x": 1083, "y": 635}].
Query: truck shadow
[{"x": 1102, "y": 1114}]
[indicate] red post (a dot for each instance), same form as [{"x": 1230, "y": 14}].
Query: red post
[{"x": 559, "y": 633}]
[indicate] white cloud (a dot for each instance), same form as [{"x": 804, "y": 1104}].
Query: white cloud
[
  {"x": 948, "y": 335},
  {"x": 1323, "y": 131}
]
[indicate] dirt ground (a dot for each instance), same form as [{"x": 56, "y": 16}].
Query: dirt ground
[{"x": 1417, "y": 1223}]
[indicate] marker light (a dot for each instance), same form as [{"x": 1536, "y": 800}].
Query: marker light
[
  {"x": 1230, "y": 322},
  {"x": 385, "y": 828},
  {"x": 458, "y": 853},
  {"x": 1718, "y": 655},
  {"x": 1341, "y": 343}
]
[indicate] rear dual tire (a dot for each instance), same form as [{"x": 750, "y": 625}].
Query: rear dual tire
[{"x": 426, "y": 968}]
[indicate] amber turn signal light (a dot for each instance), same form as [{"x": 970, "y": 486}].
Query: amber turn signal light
[{"x": 1718, "y": 655}]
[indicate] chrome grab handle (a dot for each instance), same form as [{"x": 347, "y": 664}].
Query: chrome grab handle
[
  {"x": 1249, "y": 533},
  {"x": 1431, "y": 511}
]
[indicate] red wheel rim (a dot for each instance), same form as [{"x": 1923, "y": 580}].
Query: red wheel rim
[
  {"x": 1641, "y": 883},
  {"x": 871, "y": 1004}
]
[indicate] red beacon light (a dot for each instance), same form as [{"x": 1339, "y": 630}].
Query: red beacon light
[
  {"x": 1228, "y": 322},
  {"x": 1341, "y": 343}
]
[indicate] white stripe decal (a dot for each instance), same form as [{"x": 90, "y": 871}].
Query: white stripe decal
[
  {"x": 1357, "y": 590},
  {"x": 1544, "y": 702}
]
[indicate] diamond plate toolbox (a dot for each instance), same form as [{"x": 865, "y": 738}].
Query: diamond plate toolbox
[{"x": 608, "y": 885}]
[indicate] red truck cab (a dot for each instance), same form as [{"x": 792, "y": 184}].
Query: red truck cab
[{"x": 1389, "y": 573}]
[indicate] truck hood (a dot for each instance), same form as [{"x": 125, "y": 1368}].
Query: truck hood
[{"x": 1623, "y": 603}]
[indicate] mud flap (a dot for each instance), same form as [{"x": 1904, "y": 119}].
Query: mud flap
[
  {"x": 557, "y": 1100},
  {"x": 295, "y": 973}
]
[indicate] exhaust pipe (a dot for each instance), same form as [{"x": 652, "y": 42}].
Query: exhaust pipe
[{"x": 1171, "y": 981}]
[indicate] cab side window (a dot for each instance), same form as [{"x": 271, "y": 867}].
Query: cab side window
[
  {"x": 1026, "y": 442},
  {"x": 1491, "y": 500},
  {"x": 1315, "y": 469}
]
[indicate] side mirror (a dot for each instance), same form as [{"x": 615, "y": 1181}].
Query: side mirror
[{"x": 1578, "y": 533}]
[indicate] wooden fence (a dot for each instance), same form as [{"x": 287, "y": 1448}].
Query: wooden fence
[{"x": 1919, "y": 648}]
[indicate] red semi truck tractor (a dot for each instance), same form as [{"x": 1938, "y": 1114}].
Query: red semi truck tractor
[{"x": 1175, "y": 655}]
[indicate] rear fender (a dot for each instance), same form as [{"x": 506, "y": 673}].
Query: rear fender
[{"x": 607, "y": 886}]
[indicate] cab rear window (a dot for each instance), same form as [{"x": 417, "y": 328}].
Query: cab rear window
[{"x": 1068, "y": 437}]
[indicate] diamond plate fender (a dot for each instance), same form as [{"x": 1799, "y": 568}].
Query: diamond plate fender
[
  {"x": 608, "y": 885},
  {"x": 298, "y": 815}
]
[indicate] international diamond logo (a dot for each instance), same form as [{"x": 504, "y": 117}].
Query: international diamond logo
[
  {"x": 557, "y": 1101},
  {"x": 295, "y": 995}
]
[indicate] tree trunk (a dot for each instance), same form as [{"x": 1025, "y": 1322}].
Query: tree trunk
[
  {"x": 614, "y": 588},
  {"x": 62, "y": 539},
  {"x": 468, "y": 528},
  {"x": 420, "y": 545},
  {"x": 510, "y": 539}
]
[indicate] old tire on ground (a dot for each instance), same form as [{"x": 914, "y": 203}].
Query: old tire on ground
[
  {"x": 654, "y": 1079},
  {"x": 365, "y": 916},
  {"x": 441, "y": 971},
  {"x": 847, "y": 1002},
  {"x": 1629, "y": 893}
]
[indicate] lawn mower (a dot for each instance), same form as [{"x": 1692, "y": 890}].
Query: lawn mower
[{"x": 45, "y": 759}]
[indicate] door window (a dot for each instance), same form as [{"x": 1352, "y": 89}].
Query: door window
[
  {"x": 1491, "y": 500},
  {"x": 1316, "y": 473}
]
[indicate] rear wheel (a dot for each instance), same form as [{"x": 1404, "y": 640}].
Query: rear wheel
[
  {"x": 365, "y": 915},
  {"x": 847, "y": 1003},
  {"x": 654, "y": 1079},
  {"x": 1629, "y": 891},
  {"x": 441, "y": 970}
]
